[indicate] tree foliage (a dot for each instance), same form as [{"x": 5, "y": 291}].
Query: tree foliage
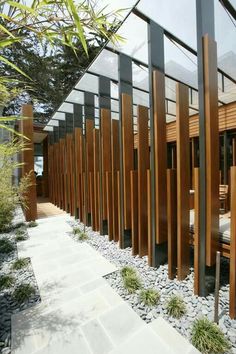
[{"x": 44, "y": 48}]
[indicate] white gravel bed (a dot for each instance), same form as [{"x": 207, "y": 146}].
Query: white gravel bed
[
  {"x": 197, "y": 307},
  {"x": 8, "y": 304}
]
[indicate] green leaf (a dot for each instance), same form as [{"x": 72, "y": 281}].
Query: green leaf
[
  {"x": 8, "y": 42},
  {"x": 14, "y": 66},
  {"x": 4, "y": 29},
  {"x": 21, "y": 6},
  {"x": 3, "y": 126},
  {"x": 79, "y": 27}
]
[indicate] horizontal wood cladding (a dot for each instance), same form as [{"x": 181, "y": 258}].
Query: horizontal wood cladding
[{"x": 227, "y": 121}]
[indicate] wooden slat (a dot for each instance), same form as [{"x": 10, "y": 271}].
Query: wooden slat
[
  {"x": 119, "y": 207},
  {"x": 105, "y": 132},
  {"x": 109, "y": 204},
  {"x": 92, "y": 199},
  {"x": 172, "y": 221},
  {"x": 160, "y": 155},
  {"x": 143, "y": 166},
  {"x": 89, "y": 123},
  {"x": 26, "y": 128},
  {"x": 96, "y": 181},
  {"x": 149, "y": 206},
  {"x": 77, "y": 137},
  {"x": 128, "y": 155},
  {"x": 183, "y": 181},
  {"x": 196, "y": 231},
  {"x": 45, "y": 167},
  {"x": 115, "y": 161},
  {"x": 134, "y": 211},
  {"x": 212, "y": 146},
  {"x": 232, "y": 281}
]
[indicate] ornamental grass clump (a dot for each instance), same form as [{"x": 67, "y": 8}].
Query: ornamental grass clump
[
  {"x": 128, "y": 271},
  {"x": 20, "y": 263},
  {"x": 208, "y": 338},
  {"x": 6, "y": 246},
  {"x": 23, "y": 293},
  {"x": 6, "y": 281},
  {"x": 176, "y": 307},
  {"x": 32, "y": 224},
  {"x": 20, "y": 235},
  {"x": 77, "y": 231},
  {"x": 82, "y": 236},
  {"x": 150, "y": 297},
  {"x": 132, "y": 283}
]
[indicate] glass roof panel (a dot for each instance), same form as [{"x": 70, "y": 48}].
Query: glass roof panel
[
  {"x": 76, "y": 97},
  {"x": 141, "y": 98},
  {"x": 114, "y": 90},
  {"x": 115, "y": 105},
  {"x": 140, "y": 76},
  {"x": 179, "y": 63},
  {"x": 225, "y": 34},
  {"x": 178, "y": 17},
  {"x": 134, "y": 33},
  {"x": 89, "y": 83},
  {"x": 59, "y": 116},
  {"x": 66, "y": 107},
  {"x": 106, "y": 64}
]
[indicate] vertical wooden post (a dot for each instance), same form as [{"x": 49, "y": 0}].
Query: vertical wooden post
[
  {"x": 232, "y": 281},
  {"x": 143, "y": 166},
  {"x": 108, "y": 189},
  {"x": 172, "y": 222},
  {"x": 212, "y": 148},
  {"x": 183, "y": 180},
  {"x": 115, "y": 164},
  {"x": 96, "y": 177},
  {"x": 149, "y": 213},
  {"x": 45, "y": 167},
  {"x": 89, "y": 158},
  {"x": 160, "y": 155},
  {"x": 196, "y": 232},
  {"x": 128, "y": 155},
  {"x": 26, "y": 128},
  {"x": 134, "y": 211},
  {"x": 105, "y": 132},
  {"x": 77, "y": 137}
]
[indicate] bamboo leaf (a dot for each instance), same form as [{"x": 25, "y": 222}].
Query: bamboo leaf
[
  {"x": 14, "y": 66},
  {"x": 79, "y": 27},
  {"x": 4, "y": 29},
  {"x": 21, "y": 6},
  {"x": 9, "y": 41}
]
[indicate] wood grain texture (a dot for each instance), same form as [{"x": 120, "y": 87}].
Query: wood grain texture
[
  {"x": 149, "y": 207},
  {"x": 105, "y": 137},
  {"x": 196, "y": 231},
  {"x": 96, "y": 178},
  {"x": 119, "y": 208},
  {"x": 109, "y": 204},
  {"x": 77, "y": 137},
  {"x": 92, "y": 199},
  {"x": 134, "y": 212},
  {"x": 115, "y": 166},
  {"x": 232, "y": 281},
  {"x": 89, "y": 123},
  {"x": 26, "y": 128},
  {"x": 160, "y": 148},
  {"x": 212, "y": 146},
  {"x": 45, "y": 168},
  {"x": 172, "y": 222},
  {"x": 183, "y": 181},
  {"x": 128, "y": 155},
  {"x": 234, "y": 151},
  {"x": 143, "y": 166}
]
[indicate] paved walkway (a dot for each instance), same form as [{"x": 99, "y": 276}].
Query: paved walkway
[
  {"x": 46, "y": 209},
  {"x": 80, "y": 313}
]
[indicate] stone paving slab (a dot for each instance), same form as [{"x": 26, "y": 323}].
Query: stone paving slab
[{"x": 80, "y": 313}]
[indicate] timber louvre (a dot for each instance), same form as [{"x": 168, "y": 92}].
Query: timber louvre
[{"x": 127, "y": 172}]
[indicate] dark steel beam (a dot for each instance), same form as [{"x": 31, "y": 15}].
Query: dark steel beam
[
  {"x": 229, "y": 7},
  {"x": 78, "y": 115},
  {"x": 156, "y": 62}
]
